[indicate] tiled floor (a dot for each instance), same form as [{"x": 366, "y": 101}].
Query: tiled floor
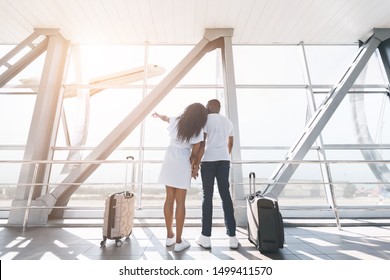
[{"x": 147, "y": 243}]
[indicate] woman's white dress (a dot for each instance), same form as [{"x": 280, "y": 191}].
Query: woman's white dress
[{"x": 176, "y": 168}]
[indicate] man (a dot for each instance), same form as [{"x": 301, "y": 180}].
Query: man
[{"x": 215, "y": 150}]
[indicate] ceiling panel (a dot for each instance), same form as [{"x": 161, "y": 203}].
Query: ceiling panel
[{"x": 184, "y": 21}]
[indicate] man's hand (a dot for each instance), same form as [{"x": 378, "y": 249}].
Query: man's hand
[{"x": 194, "y": 171}]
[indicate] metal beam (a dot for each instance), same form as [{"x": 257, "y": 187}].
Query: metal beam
[
  {"x": 62, "y": 193},
  {"x": 321, "y": 117},
  {"x": 325, "y": 169},
  {"x": 232, "y": 113},
  {"x": 40, "y": 138},
  {"x": 384, "y": 50},
  {"x": 22, "y": 63},
  {"x": 26, "y": 42}
]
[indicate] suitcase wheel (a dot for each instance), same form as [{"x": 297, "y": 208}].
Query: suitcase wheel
[
  {"x": 118, "y": 242},
  {"x": 103, "y": 242}
]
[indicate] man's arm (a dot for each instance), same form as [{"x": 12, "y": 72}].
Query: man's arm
[
  {"x": 230, "y": 144},
  {"x": 196, "y": 157}
]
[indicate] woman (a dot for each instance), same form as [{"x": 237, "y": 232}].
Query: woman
[{"x": 186, "y": 133}]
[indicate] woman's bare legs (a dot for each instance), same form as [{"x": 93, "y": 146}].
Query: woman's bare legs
[
  {"x": 168, "y": 210},
  {"x": 179, "y": 196}
]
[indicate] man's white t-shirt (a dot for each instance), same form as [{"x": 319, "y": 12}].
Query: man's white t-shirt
[{"x": 218, "y": 129}]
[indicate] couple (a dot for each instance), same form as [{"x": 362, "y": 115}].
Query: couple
[{"x": 199, "y": 133}]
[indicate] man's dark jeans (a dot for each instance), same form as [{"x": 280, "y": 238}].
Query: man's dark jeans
[{"x": 219, "y": 170}]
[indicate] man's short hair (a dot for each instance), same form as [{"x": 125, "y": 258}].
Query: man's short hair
[{"x": 213, "y": 106}]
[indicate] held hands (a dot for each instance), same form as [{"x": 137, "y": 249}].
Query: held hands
[{"x": 194, "y": 171}]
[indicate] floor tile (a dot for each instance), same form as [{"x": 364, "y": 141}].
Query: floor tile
[{"x": 148, "y": 243}]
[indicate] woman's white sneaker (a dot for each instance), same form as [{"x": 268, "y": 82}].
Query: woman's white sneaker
[
  {"x": 181, "y": 246},
  {"x": 170, "y": 241}
]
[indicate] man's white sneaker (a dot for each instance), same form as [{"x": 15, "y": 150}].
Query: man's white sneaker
[
  {"x": 181, "y": 246},
  {"x": 233, "y": 242},
  {"x": 204, "y": 241},
  {"x": 170, "y": 241}
]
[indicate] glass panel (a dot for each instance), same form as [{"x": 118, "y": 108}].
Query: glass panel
[
  {"x": 107, "y": 110},
  {"x": 355, "y": 182},
  {"x": 373, "y": 74},
  {"x": 334, "y": 62},
  {"x": 358, "y": 184},
  {"x": 271, "y": 117},
  {"x": 267, "y": 65},
  {"x": 9, "y": 176},
  {"x": 341, "y": 126},
  {"x": 167, "y": 57},
  {"x": 327, "y": 64},
  {"x": 305, "y": 188},
  {"x": 260, "y": 165},
  {"x": 15, "y": 109},
  {"x": 101, "y": 60},
  {"x": 206, "y": 71}
]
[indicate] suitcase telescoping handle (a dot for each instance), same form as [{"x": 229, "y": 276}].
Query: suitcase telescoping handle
[
  {"x": 131, "y": 189},
  {"x": 252, "y": 182}
]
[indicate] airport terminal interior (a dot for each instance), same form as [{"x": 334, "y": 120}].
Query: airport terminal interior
[{"x": 304, "y": 82}]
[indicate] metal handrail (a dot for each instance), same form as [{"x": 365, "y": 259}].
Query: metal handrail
[
  {"x": 233, "y": 161},
  {"x": 346, "y": 147},
  {"x": 259, "y": 182}
]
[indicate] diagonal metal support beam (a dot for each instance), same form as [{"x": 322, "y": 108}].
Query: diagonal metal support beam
[
  {"x": 16, "y": 68},
  {"x": 212, "y": 39},
  {"x": 321, "y": 117}
]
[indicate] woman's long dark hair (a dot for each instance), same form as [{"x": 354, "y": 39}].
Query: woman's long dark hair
[{"x": 191, "y": 122}]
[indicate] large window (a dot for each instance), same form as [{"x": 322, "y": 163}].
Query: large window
[{"x": 273, "y": 93}]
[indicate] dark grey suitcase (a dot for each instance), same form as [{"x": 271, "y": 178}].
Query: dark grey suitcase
[{"x": 265, "y": 222}]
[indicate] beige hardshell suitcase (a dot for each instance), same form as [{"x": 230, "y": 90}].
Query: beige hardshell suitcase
[{"x": 118, "y": 216}]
